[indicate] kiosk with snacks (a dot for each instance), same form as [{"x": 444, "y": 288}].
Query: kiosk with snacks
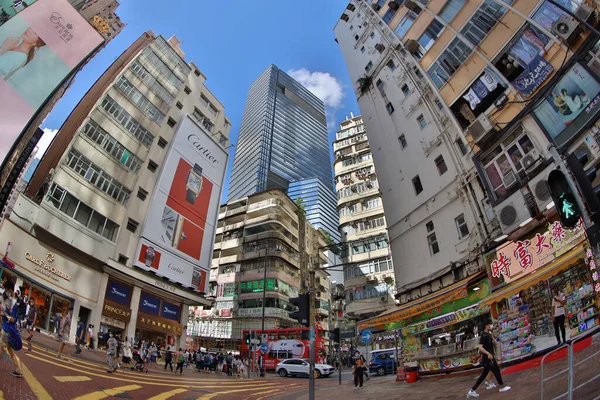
[{"x": 524, "y": 275}]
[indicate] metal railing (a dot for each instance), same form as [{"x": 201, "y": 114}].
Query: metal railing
[{"x": 570, "y": 368}]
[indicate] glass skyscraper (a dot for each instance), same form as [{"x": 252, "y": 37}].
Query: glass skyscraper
[
  {"x": 283, "y": 138},
  {"x": 320, "y": 204}
]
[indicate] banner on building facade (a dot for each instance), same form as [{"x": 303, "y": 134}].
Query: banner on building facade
[
  {"x": 179, "y": 231},
  {"x": 149, "y": 304},
  {"x": 170, "y": 311},
  {"x": 118, "y": 292},
  {"x": 533, "y": 76},
  {"x": 41, "y": 46}
]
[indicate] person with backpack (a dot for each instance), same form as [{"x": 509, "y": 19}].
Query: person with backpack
[
  {"x": 169, "y": 359},
  {"x": 359, "y": 370},
  {"x": 486, "y": 347},
  {"x": 180, "y": 361}
]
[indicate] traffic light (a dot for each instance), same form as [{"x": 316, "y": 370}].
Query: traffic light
[
  {"x": 247, "y": 338},
  {"x": 335, "y": 335},
  {"x": 584, "y": 178},
  {"x": 564, "y": 199},
  {"x": 302, "y": 315}
]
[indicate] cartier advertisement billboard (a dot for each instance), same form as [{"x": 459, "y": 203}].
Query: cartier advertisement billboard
[{"x": 179, "y": 231}]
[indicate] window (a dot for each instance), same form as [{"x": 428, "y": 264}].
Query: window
[
  {"x": 405, "y": 24},
  {"x": 127, "y": 121},
  {"x": 379, "y": 84},
  {"x": 196, "y": 72},
  {"x": 461, "y": 146},
  {"x": 132, "y": 225},
  {"x": 392, "y": 65},
  {"x": 187, "y": 90},
  {"x": 421, "y": 121},
  {"x": 429, "y": 226},
  {"x": 430, "y": 35},
  {"x": 351, "y": 27},
  {"x": 137, "y": 98},
  {"x": 417, "y": 72},
  {"x": 389, "y": 15},
  {"x": 111, "y": 146},
  {"x": 461, "y": 226},
  {"x": 142, "y": 194},
  {"x": 389, "y": 107},
  {"x": 122, "y": 259},
  {"x": 152, "y": 166},
  {"x": 351, "y": 7},
  {"x": 441, "y": 165},
  {"x": 439, "y": 104},
  {"x": 162, "y": 142},
  {"x": 434, "y": 247},
  {"x": 68, "y": 204},
  {"x": 483, "y": 21},
  {"x": 179, "y": 105},
  {"x": 160, "y": 65},
  {"x": 372, "y": 35},
  {"x": 369, "y": 66},
  {"x": 96, "y": 176},
  {"x": 405, "y": 89},
  {"x": 356, "y": 37},
  {"x": 171, "y": 122},
  {"x": 450, "y": 10},
  {"x": 417, "y": 184},
  {"x": 449, "y": 62},
  {"x": 362, "y": 49},
  {"x": 503, "y": 165},
  {"x": 151, "y": 82},
  {"x": 402, "y": 140}
]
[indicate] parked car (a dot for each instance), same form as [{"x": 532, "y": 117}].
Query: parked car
[
  {"x": 383, "y": 362},
  {"x": 300, "y": 367}
]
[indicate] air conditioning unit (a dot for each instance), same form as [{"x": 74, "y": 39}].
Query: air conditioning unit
[
  {"x": 531, "y": 160},
  {"x": 566, "y": 28},
  {"x": 379, "y": 47},
  {"x": 589, "y": 146},
  {"x": 480, "y": 128},
  {"x": 411, "y": 45},
  {"x": 585, "y": 13},
  {"x": 511, "y": 212},
  {"x": 540, "y": 189}
]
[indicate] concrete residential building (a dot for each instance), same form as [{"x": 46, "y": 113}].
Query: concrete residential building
[
  {"x": 368, "y": 269},
  {"x": 469, "y": 106},
  {"x": 428, "y": 186},
  {"x": 85, "y": 207},
  {"x": 259, "y": 231}
]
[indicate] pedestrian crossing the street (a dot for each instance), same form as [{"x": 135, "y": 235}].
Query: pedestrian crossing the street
[{"x": 52, "y": 378}]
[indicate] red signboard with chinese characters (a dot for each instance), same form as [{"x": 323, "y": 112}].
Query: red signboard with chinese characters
[
  {"x": 514, "y": 260},
  {"x": 591, "y": 263}
]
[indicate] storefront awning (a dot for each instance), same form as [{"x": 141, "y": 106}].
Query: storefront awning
[
  {"x": 541, "y": 274},
  {"x": 449, "y": 294}
]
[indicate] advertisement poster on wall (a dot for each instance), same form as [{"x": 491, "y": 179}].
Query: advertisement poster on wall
[
  {"x": 179, "y": 230},
  {"x": 39, "y": 47},
  {"x": 574, "y": 101}
]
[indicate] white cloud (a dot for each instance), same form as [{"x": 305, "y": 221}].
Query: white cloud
[
  {"x": 45, "y": 141},
  {"x": 322, "y": 84}
]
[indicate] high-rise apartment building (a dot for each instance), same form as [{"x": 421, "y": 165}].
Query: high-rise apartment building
[
  {"x": 258, "y": 236},
  {"x": 95, "y": 235},
  {"x": 368, "y": 269},
  {"x": 469, "y": 106},
  {"x": 283, "y": 145}
]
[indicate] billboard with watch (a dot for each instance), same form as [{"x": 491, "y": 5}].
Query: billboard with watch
[{"x": 178, "y": 234}]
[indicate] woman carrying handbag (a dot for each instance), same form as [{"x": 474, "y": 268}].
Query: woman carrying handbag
[{"x": 10, "y": 338}]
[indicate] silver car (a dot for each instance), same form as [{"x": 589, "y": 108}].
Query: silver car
[{"x": 300, "y": 367}]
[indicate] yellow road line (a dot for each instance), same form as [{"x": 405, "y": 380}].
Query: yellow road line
[
  {"x": 215, "y": 394},
  {"x": 35, "y": 385},
  {"x": 166, "y": 395},
  {"x": 72, "y": 378},
  {"x": 266, "y": 392},
  {"x": 102, "y": 394},
  {"x": 115, "y": 377},
  {"x": 1, "y": 395}
]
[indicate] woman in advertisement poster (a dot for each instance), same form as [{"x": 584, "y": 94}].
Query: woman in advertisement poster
[{"x": 17, "y": 52}]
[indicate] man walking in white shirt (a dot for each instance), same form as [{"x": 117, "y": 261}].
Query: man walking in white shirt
[{"x": 558, "y": 315}]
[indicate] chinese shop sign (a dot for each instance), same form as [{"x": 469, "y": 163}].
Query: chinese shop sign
[
  {"x": 516, "y": 259},
  {"x": 590, "y": 262},
  {"x": 257, "y": 286}
]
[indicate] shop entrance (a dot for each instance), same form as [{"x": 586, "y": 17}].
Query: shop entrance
[
  {"x": 84, "y": 315},
  {"x": 158, "y": 338}
]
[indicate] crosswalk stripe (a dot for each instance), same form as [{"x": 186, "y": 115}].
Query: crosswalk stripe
[
  {"x": 102, "y": 394},
  {"x": 215, "y": 394},
  {"x": 265, "y": 392},
  {"x": 166, "y": 395},
  {"x": 72, "y": 378},
  {"x": 1, "y": 395},
  {"x": 35, "y": 385}
]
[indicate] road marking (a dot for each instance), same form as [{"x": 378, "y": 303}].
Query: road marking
[
  {"x": 102, "y": 394},
  {"x": 166, "y": 395},
  {"x": 215, "y": 394},
  {"x": 35, "y": 385},
  {"x": 72, "y": 378},
  {"x": 266, "y": 392},
  {"x": 1, "y": 395}
]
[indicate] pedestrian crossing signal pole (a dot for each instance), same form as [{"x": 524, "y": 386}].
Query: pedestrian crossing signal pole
[{"x": 311, "y": 319}]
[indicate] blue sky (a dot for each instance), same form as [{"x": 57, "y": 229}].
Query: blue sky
[{"x": 232, "y": 42}]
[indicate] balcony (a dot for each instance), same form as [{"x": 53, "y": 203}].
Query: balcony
[
  {"x": 217, "y": 245},
  {"x": 231, "y": 227},
  {"x": 230, "y": 259},
  {"x": 361, "y": 234},
  {"x": 291, "y": 226},
  {"x": 229, "y": 243},
  {"x": 369, "y": 255},
  {"x": 293, "y": 260},
  {"x": 256, "y": 312},
  {"x": 269, "y": 203},
  {"x": 236, "y": 211},
  {"x": 359, "y": 195},
  {"x": 364, "y": 213},
  {"x": 272, "y": 235},
  {"x": 348, "y": 169}
]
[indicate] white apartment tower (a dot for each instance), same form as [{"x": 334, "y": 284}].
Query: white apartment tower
[{"x": 368, "y": 270}]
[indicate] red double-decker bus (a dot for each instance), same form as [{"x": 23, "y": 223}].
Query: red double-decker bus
[{"x": 286, "y": 343}]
